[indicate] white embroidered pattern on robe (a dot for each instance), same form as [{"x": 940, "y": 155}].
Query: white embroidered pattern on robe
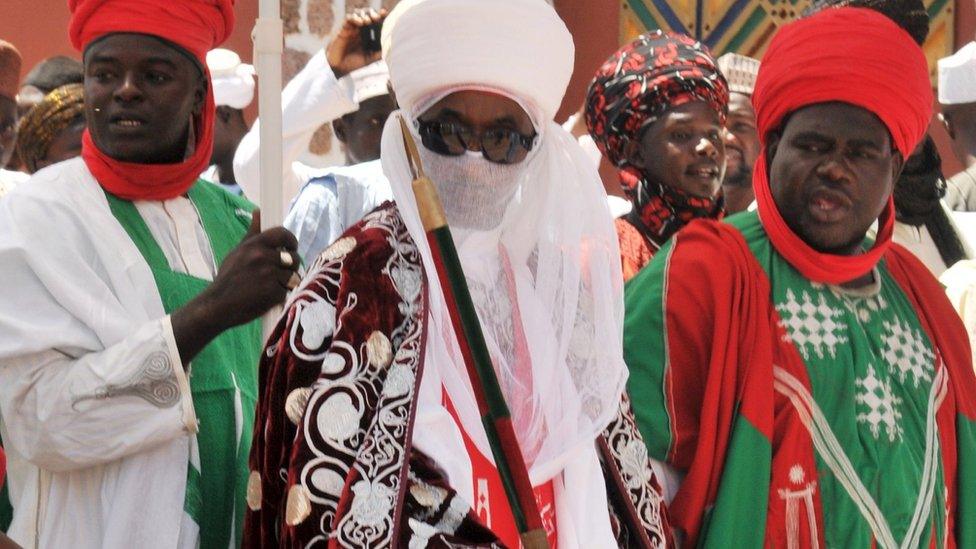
[{"x": 155, "y": 382}]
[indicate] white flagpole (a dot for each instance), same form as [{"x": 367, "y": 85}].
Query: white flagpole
[{"x": 268, "y": 37}]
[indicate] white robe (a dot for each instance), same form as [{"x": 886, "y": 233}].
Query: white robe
[
  {"x": 94, "y": 461},
  {"x": 312, "y": 98}
]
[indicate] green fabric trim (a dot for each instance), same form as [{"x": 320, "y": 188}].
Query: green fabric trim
[
  {"x": 965, "y": 512},
  {"x": 193, "y": 502},
  {"x": 645, "y": 352},
  {"x": 226, "y": 366},
  {"x": 738, "y": 517}
]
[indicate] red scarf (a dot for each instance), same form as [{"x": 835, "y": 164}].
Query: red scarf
[
  {"x": 814, "y": 265},
  {"x": 197, "y": 26},
  {"x": 849, "y": 55},
  {"x": 132, "y": 181}
]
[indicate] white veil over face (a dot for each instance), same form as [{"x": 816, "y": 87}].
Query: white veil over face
[{"x": 546, "y": 281}]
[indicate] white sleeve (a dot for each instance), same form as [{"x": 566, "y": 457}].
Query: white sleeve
[
  {"x": 64, "y": 412},
  {"x": 312, "y": 98}
]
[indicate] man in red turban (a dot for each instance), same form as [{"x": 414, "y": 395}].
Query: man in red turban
[
  {"x": 809, "y": 388},
  {"x": 121, "y": 270}
]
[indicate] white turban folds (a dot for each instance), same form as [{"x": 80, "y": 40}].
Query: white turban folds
[
  {"x": 957, "y": 76},
  {"x": 232, "y": 80},
  {"x": 554, "y": 249},
  {"x": 519, "y": 46}
]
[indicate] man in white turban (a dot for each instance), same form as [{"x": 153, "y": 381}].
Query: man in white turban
[
  {"x": 233, "y": 89},
  {"x": 368, "y": 431}
]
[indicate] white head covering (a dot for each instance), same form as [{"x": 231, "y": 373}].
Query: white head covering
[
  {"x": 957, "y": 76},
  {"x": 233, "y": 81},
  {"x": 370, "y": 81},
  {"x": 556, "y": 234},
  {"x": 740, "y": 72}
]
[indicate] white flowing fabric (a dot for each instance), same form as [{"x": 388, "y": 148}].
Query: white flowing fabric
[
  {"x": 80, "y": 316},
  {"x": 558, "y": 237}
]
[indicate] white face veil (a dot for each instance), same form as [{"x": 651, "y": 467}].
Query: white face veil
[{"x": 551, "y": 268}]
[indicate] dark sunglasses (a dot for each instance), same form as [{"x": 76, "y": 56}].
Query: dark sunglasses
[{"x": 499, "y": 145}]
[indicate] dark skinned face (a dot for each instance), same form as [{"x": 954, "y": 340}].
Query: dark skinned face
[
  {"x": 66, "y": 145},
  {"x": 831, "y": 172},
  {"x": 361, "y": 131},
  {"x": 8, "y": 129},
  {"x": 229, "y": 129},
  {"x": 141, "y": 94},
  {"x": 683, "y": 148},
  {"x": 741, "y": 141}
]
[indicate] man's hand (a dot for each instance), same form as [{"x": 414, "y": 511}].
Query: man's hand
[
  {"x": 346, "y": 53},
  {"x": 255, "y": 276}
]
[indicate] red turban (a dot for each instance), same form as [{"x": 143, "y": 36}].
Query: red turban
[
  {"x": 197, "y": 26},
  {"x": 848, "y": 55}
]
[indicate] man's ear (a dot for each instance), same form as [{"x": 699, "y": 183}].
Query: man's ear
[
  {"x": 634, "y": 154},
  {"x": 200, "y": 95},
  {"x": 772, "y": 145},
  {"x": 897, "y": 165},
  {"x": 339, "y": 127}
]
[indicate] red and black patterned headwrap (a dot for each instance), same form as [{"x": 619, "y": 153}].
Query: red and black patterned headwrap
[{"x": 641, "y": 81}]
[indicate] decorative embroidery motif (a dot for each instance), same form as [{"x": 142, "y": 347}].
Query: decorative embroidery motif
[
  {"x": 628, "y": 460},
  {"x": 832, "y": 453},
  {"x": 356, "y": 422},
  {"x": 882, "y": 407},
  {"x": 907, "y": 350},
  {"x": 155, "y": 382},
  {"x": 793, "y": 496},
  {"x": 813, "y": 325}
]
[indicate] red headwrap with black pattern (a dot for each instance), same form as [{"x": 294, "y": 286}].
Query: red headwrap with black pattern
[{"x": 653, "y": 74}]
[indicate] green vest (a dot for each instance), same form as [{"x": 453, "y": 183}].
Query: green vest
[{"x": 223, "y": 377}]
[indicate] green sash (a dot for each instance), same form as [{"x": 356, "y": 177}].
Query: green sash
[{"x": 223, "y": 379}]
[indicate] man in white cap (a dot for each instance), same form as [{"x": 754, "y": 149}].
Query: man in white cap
[
  {"x": 348, "y": 85},
  {"x": 957, "y": 96},
  {"x": 368, "y": 431},
  {"x": 741, "y": 136},
  {"x": 233, "y": 88}
]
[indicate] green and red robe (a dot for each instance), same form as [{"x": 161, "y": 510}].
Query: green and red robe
[{"x": 833, "y": 417}]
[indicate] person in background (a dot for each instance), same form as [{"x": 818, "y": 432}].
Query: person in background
[
  {"x": 923, "y": 224},
  {"x": 51, "y": 131},
  {"x": 345, "y": 84},
  {"x": 798, "y": 377},
  {"x": 741, "y": 137},
  {"x": 329, "y": 201},
  {"x": 233, "y": 89},
  {"x": 10, "y": 62},
  {"x": 957, "y": 97},
  {"x": 45, "y": 77},
  {"x": 123, "y": 273},
  {"x": 657, "y": 110}
]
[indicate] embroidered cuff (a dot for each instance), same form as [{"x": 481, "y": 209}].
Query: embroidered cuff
[{"x": 189, "y": 415}]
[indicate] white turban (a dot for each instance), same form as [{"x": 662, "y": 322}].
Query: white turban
[
  {"x": 232, "y": 80},
  {"x": 554, "y": 249},
  {"x": 370, "y": 81},
  {"x": 520, "y": 46},
  {"x": 957, "y": 76}
]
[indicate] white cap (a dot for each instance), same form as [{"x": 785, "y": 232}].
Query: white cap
[
  {"x": 740, "y": 72},
  {"x": 370, "y": 81},
  {"x": 233, "y": 81},
  {"x": 957, "y": 76}
]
